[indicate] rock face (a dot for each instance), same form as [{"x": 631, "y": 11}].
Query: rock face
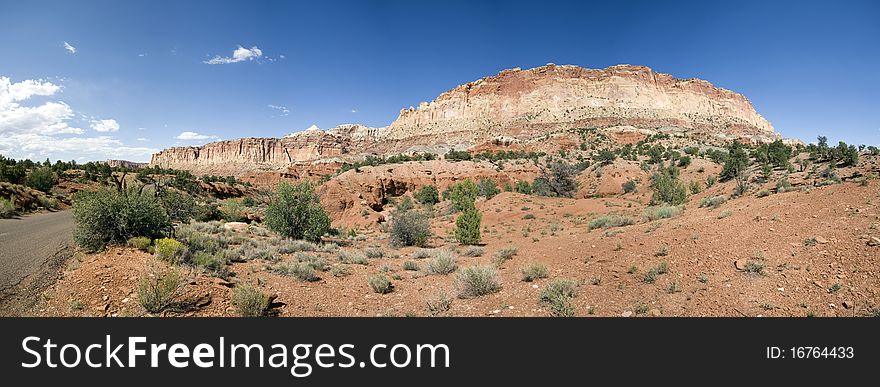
[
  {"x": 125, "y": 164},
  {"x": 525, "y": 103},
  {"x": 515, "y": 106}
]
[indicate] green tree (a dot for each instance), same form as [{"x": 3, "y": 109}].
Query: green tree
[
  {"x": 42, "y": 179},
  {"x": 736, "y": 163},
  {"x": 467, "y": 226},
  {"x": 463, "y": 194},
  {"x": 523, "y": 187},
  {"x": 667, "y": 188},
  {"x": 428, "y": 195},
  {"x": 487, "y": 188},
  {"x": 109, "y": 216},
  {"x": 295, "y": 212}
]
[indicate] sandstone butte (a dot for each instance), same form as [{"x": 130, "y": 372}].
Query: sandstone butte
[{"x": 515, "y": 106}]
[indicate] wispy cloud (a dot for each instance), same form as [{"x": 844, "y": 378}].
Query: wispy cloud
[
  {"x": 283, "y": 110},
  {"x": 105, "y": 125},
  {"x": 240, "y": 54},
  {"x": 192, "y": 136},
  {"x": 69, "y": 48},
  {"x": 354, "y": 110},
  {"x": 143, "y": 139}
]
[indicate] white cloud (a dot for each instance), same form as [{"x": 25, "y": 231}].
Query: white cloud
[
  {"x": 69, "y": 48},
  {"x": 143, "y": 139},
  {"x": 105, "y": 125},
  {"x": 354, "y": 110},
  {"x": 191, "y": 136},
  {"x": 240, "y": 54},
  {"x": 283, "y": 110},
  {"x": 43, "y": 130},
  {"x": 142, "y": 55}
]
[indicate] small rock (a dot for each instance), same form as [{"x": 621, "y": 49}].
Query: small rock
[
  {"x": 821, "y": 240},
  {"x": 496, "y": 311},
  {"x": 534, "y": 286},
  {"x": 874, "y": 241},
  {"x": 654, "y": 313},
  {"x": 125, "y": 300},
  {"x": 846, "y": 304},
  {"x": 626, "y": 314}
]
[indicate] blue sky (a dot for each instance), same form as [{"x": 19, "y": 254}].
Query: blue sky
[{"x": 138, "y": 78}]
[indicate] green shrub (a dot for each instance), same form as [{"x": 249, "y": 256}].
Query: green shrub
[
  {"x": 629, "y": 186},
  {"x": 423, "y": 253},
  {"x": 710, "y": 180},
  {"x": 249, "y": 301},
  {"x": 474, "y": 251},
  {"x": 467, "y": 226},
  {"x": 443, "y": 263},
  {"x": 475, "y": 281},
  {"x": 763, "y": 193},
  {"x": 207, "y": 212},
  {"x": 534, "y": 271},
  {"x": 503, "y": 255},
  {"x": 608, "y": 221},
  {"x": 667, "y": 188},
  {"x": 7, "y": 208},
  {"x": 559, "y": 296},
  {"x": 213, "y": 263},
  {"x": 352, "y": 257},
  {"x": 684, "y": 161},
  {"x": 523, "y": 187},
  {"x": 295, "y": 212},
  {"x": 410, "y": 228},
  {"x": 106, "y": 216},
  {"x": 438, "y": 304},
  {"x": 410, "y": 265},
  {"x": 783, "y": 185},
  {"x": 694, "y": 187},
  {"x": 158, "y": 291},
  {"x": 381, "y": 284},
  {"x": 302, "y": 271},
  {"x": 428, "y": 195},
  {"x": 181, "y": 207},
  {"x": 169, "y": 249},
  {"x": 233, "y": 211},
  {"x": 42, "y": 178},
  {"x": 662, "y": 212},
  {"x": 339, "y": 271},
  {"x": 488, "y": 188},
  {"x": 140, "y": 243},
  {"x": 713, "y": 201},
  {"x": 374, "y": 253},
  {"x": 463, "y": 194}
]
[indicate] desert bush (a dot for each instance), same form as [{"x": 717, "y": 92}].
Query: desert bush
[
  {"x": 160, "y": 290},
  {"x": 423, "y": 253},
  {"x": 316, "y": 262},
  {"x": 487, "y": 188},
  {"x": 662, "y": 212},
  {"x": 295, "y": 212},
  {"x": 667, "y": 188},
  {"x": 474, "y": 251},
  {"x": 207, "y": 212},
  {"x": 559, "y": 296},
  {"x": 763, "y": 193},
  {"x": 352, "y": 257},
  {"x": 140, "y": 243},
  {"x": 713, "y": 201},
  {"x": 710, "y": 180},
  {"x": 7, "y": 208},
  {"x": 302, "y": 271},
  {"x": 783, "y": 185},
  {"x": 629, "y": 186},
  {"x": 213, "y": 263},
  {"x": 443, "y": 263},
  {"x": 724, "y": 214},
  {"x": 684, "y": 161},
  {"x": 438, "y": 304},
  {"x": 558, "y": 181},
  {"x": 233, "y": 211},
  {"x": 180, "y": 207},
  {"x": 410, "y": 228},
  {"x": 475, "y": 281},
  {"x": 504, "y": 254},
  {"x": 373, "y": 252},
  {"x": 380, "y": 284},
  {"x": 428, "y": 195},
  {"x": 608, "y": 221},
  {"x": 652, "y": 273},
  {"x": 410, "y": 265},
  {"x": 467, "y": 226},
  {"x": 463, "y": 194},
  {"x": 534, "y": 271},
  {"x": 695, "y": 187},
  {"x": 297, "y": 246},
  {"x": 252, "y": 250},
  {"x": 249, "y": 301},
  {"x": 42, "y": 178},
  {"x": 107, "y": 216},
  {"x": 48, "y": 203},
  {"x": 339, "y": 271},
  {"x": 523, "y": 187},
  {"x": 169, "y": 249}
]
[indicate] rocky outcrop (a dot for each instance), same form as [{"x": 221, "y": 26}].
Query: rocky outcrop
[
  {"x": 125, "y": 164},
  {"x": 514, "y": 107},
  {"x": 527, "y": 103}
]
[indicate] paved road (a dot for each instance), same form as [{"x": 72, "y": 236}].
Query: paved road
[{"x": 32, "y": 250}]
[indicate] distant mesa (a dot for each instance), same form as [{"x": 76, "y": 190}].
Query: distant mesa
[
  {"x": 125, "y": 164},
  {"x": 516, "y": 106}
]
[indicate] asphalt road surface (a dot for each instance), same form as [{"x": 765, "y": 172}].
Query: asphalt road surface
[{"x": 32, "y": 250}]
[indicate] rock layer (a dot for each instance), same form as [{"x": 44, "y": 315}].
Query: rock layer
[{"x": 516, "y": 106}]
